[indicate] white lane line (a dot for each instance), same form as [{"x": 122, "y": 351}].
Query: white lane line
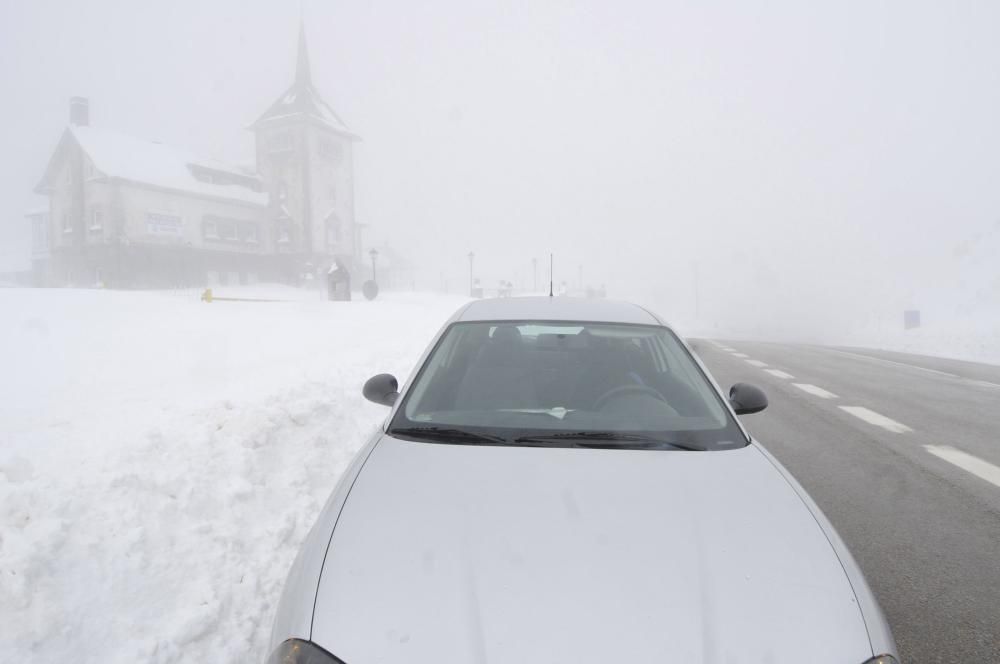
[
  {"x": 983, "y": 383},
  {"x": 879, "y": 360},
  {"x": 743, "y": 355},
  {"x": 815, "y": 391},
  {"x": 877, "y": 419},
  {"x": 757, "y": 363},
  {"x": 778, "y": 373},
  {"x": 981, "y": 469},
  {"x": 893, "y": 362}
]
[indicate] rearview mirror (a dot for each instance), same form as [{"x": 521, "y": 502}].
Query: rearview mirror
[
  {"x": 747, "y": 399},
  {"x": 382, "y": 389}
]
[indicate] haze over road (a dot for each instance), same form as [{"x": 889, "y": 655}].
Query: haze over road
[{"x": 901, "y": 452}]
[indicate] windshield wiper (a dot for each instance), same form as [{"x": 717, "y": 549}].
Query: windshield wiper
[
  {"x": 446, "y": 435},
  {"x": 600, "y": 439}
]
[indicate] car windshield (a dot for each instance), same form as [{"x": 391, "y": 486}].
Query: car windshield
[{"x": 565, "y": 384}]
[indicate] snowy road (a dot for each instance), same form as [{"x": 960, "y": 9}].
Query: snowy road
[{"x": 902, "y": 452}]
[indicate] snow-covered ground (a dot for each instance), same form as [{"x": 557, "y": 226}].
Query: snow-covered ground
[{"x": 161, "y": 459}]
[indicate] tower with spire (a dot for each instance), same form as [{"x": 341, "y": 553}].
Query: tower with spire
[{"x": 306, "y": 163}]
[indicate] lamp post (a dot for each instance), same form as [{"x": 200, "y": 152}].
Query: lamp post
[
  {"x": 374, "y": 254},
  {"x": 472, "y": 257},
  {"x": 534, "y": 272}
]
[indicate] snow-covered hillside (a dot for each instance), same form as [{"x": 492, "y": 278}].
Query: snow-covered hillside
[{"x": 161, "y": 459}]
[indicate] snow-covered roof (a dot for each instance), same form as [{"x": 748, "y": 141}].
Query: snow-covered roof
[
  {"x": 148, "y": 162},
  {"x": 145, "y": 162}
]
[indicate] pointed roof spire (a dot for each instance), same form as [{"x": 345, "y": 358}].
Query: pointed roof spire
[
  {"x": 303, "y": 75},
  {"x": 302, "y": 100}
]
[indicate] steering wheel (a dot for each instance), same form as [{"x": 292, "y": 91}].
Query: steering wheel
[{"x": 627, "y": 389}]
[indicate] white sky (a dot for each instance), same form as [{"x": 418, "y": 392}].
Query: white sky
[{"x": 821, "y": 155}]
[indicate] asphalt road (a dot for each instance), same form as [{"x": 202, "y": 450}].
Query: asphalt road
[{"x": 911, "y": 482}]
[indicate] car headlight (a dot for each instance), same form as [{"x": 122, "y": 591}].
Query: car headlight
[
  {"x": 881, "y": 659},
  {"x": 296, "y": 651}
]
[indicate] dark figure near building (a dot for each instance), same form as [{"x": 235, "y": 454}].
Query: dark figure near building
[{"x": 338, "y": 282}]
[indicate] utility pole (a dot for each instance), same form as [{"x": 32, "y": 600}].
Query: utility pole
[
  {"x": 472, "y": 257},
  {"x": 697, "y": 295},
  {"x": 551, "y": 273}
]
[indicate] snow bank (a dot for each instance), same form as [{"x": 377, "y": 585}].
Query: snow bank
[{"x": 161, "y": 459}]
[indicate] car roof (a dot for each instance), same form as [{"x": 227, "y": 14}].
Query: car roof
[{"x": 556, "y": 309}]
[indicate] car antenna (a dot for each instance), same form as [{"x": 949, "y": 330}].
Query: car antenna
[{"x": 550, "y": 275}]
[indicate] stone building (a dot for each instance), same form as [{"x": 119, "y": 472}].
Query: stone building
[{"x": 127, "y": 212}]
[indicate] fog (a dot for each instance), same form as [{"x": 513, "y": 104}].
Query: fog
[{"x": 777, "y": 169}]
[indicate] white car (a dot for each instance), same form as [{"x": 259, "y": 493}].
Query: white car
[{"x": 562, "y": 481}]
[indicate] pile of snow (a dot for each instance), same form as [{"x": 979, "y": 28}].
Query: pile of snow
[
  {"x": 161, "y": 459},
  {"x": 973, "y": 338},
  {"x": 959, "y": 307}
]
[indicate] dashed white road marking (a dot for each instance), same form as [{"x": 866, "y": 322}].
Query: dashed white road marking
[
  {"x": 743, "y": 355},
  {"x": 981, "y": 469},
  {"x": 815, "y": 390},
  {"x": 881, "y": 360},
  {"x": 778, "y": 373},
  {"x": 877, "y": 419},
  {"x": 757, "y": 363}
]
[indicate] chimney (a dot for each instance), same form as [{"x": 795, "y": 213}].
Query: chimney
[{"x": 79, "y": 111}]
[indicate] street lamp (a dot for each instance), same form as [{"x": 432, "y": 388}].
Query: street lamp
[
  {"x": 534, "y": 272},
  {"x": 374, "y": 254},
  {"x": 472, "y": 257}
]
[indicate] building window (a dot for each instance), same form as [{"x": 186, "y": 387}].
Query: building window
[
  {"x": 67, "y": 223},
  {"x": 96, "y": 218},
  {"x": 332, "y": 192},
  {"x": 210, "y": 229},
  {"x": 248, "y": 232},
  {"x": 330, "y": 150},
  {"x": 281, "y": 142},
  {"x": 284, "y": 234},
  {"x": 282, "y": 190},
  {"x": 227, "y": 230},
  {"x": 332, "y": 230}
]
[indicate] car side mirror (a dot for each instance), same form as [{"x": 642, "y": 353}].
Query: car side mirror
[
  {"x": 747, "y": 399},
  {"x": 382, "y": 389}
]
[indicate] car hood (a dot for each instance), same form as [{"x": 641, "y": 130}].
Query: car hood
[{"x": 474, "y": 554}]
